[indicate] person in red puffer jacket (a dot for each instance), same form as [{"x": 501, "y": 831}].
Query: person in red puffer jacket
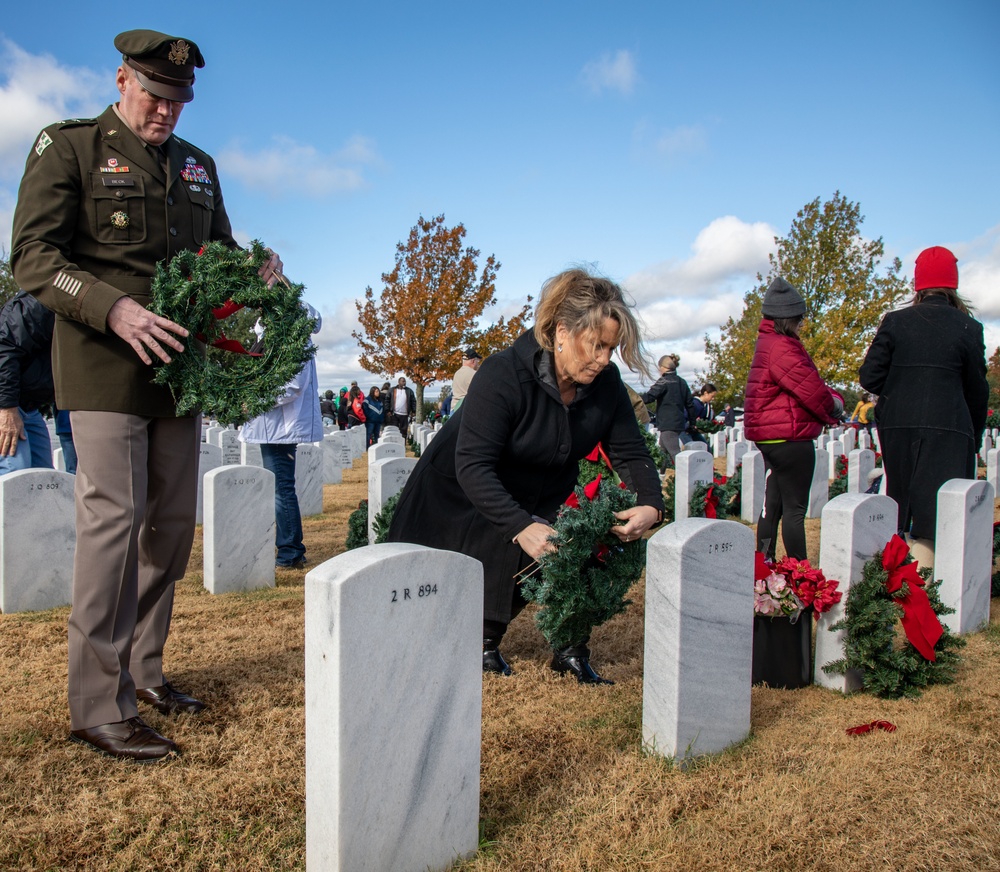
[{"x": 787, "y": 404}]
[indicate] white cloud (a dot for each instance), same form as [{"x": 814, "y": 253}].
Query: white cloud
[
  {"x": 290, "y": 168},
  {"x": 659, "y": 145},
  {"x": 979, "y": 273},
  {"x": 681, "y": 140},
  {"x": 725, "y": 259},
  {"x": 37, "y": 90},
  {"x": 616, "y": 72}
]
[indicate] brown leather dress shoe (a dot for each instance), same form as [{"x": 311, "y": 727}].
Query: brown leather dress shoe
[
  {"x": 132, "y": 740},
  {"x": 168, "y": 701}
]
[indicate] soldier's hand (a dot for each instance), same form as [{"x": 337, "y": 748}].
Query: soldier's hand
[
  {"x": 270, "y": 272},
  {"x": 11, "y": 430},
  {"x": 141, "y": 329}
]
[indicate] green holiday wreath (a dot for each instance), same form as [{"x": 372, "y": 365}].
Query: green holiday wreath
[
  {"x": 721, "y": 498},
  {"x": 584, "y": 581},
  {"x": 198, "y": 290},
  {"x": 891, "y": 664}
]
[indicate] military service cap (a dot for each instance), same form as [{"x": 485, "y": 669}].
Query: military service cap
[{"x": 164, "y": 65}]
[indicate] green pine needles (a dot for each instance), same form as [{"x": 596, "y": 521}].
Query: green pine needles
[
  {"x": 583, "y": 583},
  {"x": 889, "y": 665},
  {"x": 357, "y": 523},
  {"x": 233, "y": 387},
  {"x": 357, "y": 527}
]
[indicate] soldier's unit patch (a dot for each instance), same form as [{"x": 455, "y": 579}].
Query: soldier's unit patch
[
  {"x": 195, "y": 173},
  {"x": 44, "y": 141}
]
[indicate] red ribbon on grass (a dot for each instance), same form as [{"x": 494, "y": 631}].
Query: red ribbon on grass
[
  {"x": 861, "y": 729},
  {"x": 920, "y": 624}
]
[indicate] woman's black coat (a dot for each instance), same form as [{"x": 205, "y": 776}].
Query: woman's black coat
[
  {"x": 510, "y": 455},
  {"x": 927, "y": 364}
]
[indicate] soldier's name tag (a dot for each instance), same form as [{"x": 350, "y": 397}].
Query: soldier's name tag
[{"x": 118, "y": 181}]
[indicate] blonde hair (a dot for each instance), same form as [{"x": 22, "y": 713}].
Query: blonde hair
[{"x": 582, "y": 302}]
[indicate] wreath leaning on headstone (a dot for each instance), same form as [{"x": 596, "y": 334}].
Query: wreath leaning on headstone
[
  {"x": 199, "y": 291},
  {"x": 720, "y": 499},
  {"x": 890, "y": 593}
]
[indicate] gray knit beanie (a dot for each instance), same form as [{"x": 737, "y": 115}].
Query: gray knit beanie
[{"x": 782, "y": 301}]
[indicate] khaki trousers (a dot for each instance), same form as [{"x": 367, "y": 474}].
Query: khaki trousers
[{"x": 136, "y": 486}]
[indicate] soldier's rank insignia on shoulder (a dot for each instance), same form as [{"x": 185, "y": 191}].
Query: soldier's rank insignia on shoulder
[{"x": 44, "y": 141}]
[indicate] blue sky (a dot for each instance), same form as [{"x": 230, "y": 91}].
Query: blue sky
[{"x": 664, "y": 143}]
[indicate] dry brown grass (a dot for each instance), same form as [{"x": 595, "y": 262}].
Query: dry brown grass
[{"x": 565, "y": 783}]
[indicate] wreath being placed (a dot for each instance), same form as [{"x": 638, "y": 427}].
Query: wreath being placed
[
  {"x": 583, "y": 582},
  {"x": 199, "y": 290},
  {"x": 892, "y": 592}
]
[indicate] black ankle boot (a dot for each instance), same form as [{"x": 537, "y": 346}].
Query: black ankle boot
[
  {"x": 492, "y": 658},
  {"x": 576, "y": 660}
]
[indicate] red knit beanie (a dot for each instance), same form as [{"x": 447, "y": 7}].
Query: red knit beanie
[{"x": 936, "y": 268}]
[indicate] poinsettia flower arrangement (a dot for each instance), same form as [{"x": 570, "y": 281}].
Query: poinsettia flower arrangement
[{"x": 788, "y": 586}]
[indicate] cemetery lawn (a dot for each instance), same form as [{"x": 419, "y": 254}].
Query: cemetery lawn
[{"x": 565, "y": 783}]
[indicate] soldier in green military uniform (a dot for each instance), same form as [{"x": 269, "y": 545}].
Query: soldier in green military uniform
[{"x": 101, "y": 201}]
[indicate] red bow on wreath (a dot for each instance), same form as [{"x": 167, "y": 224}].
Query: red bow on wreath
[
  {"x": 221, "y": 313},
  {"x": 589, "y": 491},
  {"x": 711, "y": 502},
  {"x": 920, "y": 624}
]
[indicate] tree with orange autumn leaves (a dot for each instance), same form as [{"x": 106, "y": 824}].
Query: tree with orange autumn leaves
[{"x": 428, "y": 309}]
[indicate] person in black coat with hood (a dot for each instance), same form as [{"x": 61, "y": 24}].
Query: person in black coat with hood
[
  {"x": 927, "y": 364},
  {"x": 496, "y": 474}
]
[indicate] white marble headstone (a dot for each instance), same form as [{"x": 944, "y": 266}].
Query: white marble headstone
[
  {"x": 992, "y": 470},
  {"x": 232, "y": 453},
  {"x": 692, "y": 467},
  {"x": 250, "y": 454},
  {"x": 699, "y": 637},
  {"x": 719, "y": 443},
  {"x": 58, "y": 459},
  {"x": 849, "y": 438},
  {"x": 836, "y": 449},
  {"x": 358, "y": 438},
  {"x": 37, "y": 540},
  {"x": 864, "y": 440},
  {"x": 752, "y": 495},
  {"x": 382, "y": 450},
  {"x": 734, "y": 456},
  {"x": 963, "y": 552},
  {"x": 860, "y": 462},
  {"x": 332, "y": 471},
  {"x": 393, "y": 746},
  {"x": 854, "y": 528},
  {"x": 239, "y": 529},
  {"x": 344, "y": 450},
  {"x": 986, "y": 446},
  {"x": 821, "y": 440},
  {"x": 819, "y": 490},
  {"x": 309, "y": 479},
  {"x": 210, "y": 431},
  {"x": 209, "y": 458},
  {"x": 385, "y": 479}
]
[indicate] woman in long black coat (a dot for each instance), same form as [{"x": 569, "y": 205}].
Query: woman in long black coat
[
  {"x": 494, "y": 477},
  {"x": 927, "y": 364}
]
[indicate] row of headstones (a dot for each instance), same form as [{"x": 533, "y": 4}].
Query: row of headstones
[
  {"x": 393, "y": 749},
  {"x": 235, "y": 505},
  {"x": 697, "y": 467}
]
